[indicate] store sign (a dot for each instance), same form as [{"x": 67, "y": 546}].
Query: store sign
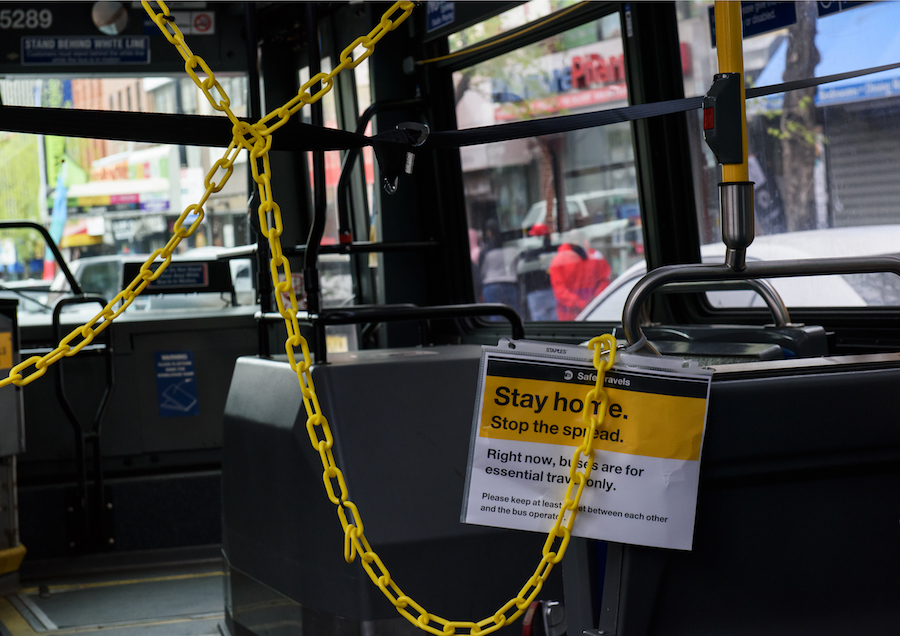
[
  {"x": 578, "y": 78},
  {"x": 642, "y": 486},
  {"x": 102, "y": 204},
  {"x": 595, "y": 69},
  {"x": 829, "y": 95},
  {"x": 138, "y": 227},
  {"x": 581, "y": 71},
  {"x": 568, "y": 101}
]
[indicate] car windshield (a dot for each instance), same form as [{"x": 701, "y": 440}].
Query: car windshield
[
  {"x": 31, "y": 294},
  {"x": 849, "y": 290}
]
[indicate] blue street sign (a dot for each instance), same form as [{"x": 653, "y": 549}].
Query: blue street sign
[
  {"x": 760, "y": 17},
  {"x": 440, "y": 13}
]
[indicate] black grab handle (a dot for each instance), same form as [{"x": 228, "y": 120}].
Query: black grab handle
[
  {"x": 387, "y": 313},
  {"x": 91, "y": 510}
]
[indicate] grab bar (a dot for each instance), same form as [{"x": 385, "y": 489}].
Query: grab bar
[
  {"x": 753, "y": 269},
  {"x": 764, "y": 288}
]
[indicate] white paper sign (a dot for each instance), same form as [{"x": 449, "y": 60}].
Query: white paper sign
[{"x": 528, "y": 422}]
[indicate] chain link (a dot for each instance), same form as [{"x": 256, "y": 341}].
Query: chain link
[{"x": 257, "y": 139}]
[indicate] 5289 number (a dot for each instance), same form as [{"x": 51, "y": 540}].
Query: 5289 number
[{"x": 22, "y": 19}]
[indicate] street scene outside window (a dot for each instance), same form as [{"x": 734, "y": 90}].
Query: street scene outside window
[
  {"x": 552, "y": 219},
  {"x": 108, "y": 202},
  {"x": 820, "y": 166}
]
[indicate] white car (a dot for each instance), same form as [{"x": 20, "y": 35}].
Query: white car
[
  {"x": 586, "y": 208},
  {"x": 600, "y": 218},
  {"x": 31, "y": 294},
  {"x": 105, "y": 276},
  {"x": 858, "y": 290}
]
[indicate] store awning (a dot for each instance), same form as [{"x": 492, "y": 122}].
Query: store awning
[
  {"x": 112, "y": 187},
  {"x": 860, "y": 38},
  {"x": 83, "y": 232}
]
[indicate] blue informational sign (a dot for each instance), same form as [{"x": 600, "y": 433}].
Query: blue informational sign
[
  {"x": 80, "y": 50},
  {"x": 176, "y": 384},
  {"x": 833, "y": 6},
  {"x": 760, "y": 17},
  {"x": 187, "y": 275},
  {"x": 440, "y": 13},
  {"x": 871, "y": 89}
]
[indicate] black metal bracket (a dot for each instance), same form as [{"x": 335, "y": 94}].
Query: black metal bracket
[
  {"x": 722, "y": 118},
  {"x": 64, "y": 268},
  {"x": 395, "y": 313},
  {"x": 91, "y": 509}
]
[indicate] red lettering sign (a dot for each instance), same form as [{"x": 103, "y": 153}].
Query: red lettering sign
[{"x": 594, "y": 69}]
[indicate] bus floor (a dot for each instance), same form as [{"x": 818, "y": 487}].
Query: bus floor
[{"x": 172, "y": 593}]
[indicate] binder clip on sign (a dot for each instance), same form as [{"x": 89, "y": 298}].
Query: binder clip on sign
[{"x": 642, "y": 488}]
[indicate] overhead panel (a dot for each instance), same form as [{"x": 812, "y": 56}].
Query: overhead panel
[{"x": 87, "y": 38}]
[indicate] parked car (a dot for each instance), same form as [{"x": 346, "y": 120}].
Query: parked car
[
  {"x": 31, "y": 294},
  {"x": 586, "y": 208},
  {"x": 602, "y": 219},
  {"x": 335, "y": 279},
  {"x": 858, "y": 290},
  {"x": 106, "y": 276}
]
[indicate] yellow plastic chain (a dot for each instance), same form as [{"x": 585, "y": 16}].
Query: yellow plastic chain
[{"x": 257, "y": 138}]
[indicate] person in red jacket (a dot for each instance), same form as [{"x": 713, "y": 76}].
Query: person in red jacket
[{"x": 577, "y": 275}]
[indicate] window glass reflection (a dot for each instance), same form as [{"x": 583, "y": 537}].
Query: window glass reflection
[{"x": 552, "y": 219}]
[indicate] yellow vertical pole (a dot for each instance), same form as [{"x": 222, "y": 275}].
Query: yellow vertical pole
[{"x": 730, "y": 50}]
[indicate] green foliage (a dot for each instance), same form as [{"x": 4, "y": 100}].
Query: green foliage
[
  {"x": 794, "y": 130},
  {"x": 20, "y": 186},
  {"x": 20, "y": 177}
]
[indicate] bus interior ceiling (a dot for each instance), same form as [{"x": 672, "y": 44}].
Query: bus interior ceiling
[{"x": 490, "y": 170}]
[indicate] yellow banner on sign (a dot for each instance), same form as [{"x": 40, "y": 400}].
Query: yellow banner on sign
[
  {"x": 638, "y": 423},
  {"x": 87, "y": 202},
  {"x": 6, "y": 357}
]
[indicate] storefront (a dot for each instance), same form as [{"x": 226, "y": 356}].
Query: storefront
[{"x": 853, "y": 154}]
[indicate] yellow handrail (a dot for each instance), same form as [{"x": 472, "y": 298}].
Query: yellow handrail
[{"x": 730, "y": 51}]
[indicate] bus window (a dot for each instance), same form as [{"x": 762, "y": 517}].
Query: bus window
[
  {"x": 525, "y": 253},
  {"x": 107, "y": 201},
  {"x": 820, "y": 162}
]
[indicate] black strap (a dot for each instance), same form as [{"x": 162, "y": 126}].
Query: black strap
[
  {"x": 762, "y": 91},
  {"x": 188, "y": 130},
  {"x": 552, "y": 125},
  {"x": 566, "y": 123},
  {"x": 390, "y": 148}
]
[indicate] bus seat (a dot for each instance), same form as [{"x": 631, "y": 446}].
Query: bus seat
[
  {"x": 796, "y": 530},
  {"x": 401, "y": 421},
  {"x": 162, "y": 467}
]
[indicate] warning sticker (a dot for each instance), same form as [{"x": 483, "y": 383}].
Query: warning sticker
[
  {"x": 6, "y": 355},
  {"x": 189, "y": 22},
  {"x": 176, "y": 384},
  {"x": 528, "y": 422}
]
